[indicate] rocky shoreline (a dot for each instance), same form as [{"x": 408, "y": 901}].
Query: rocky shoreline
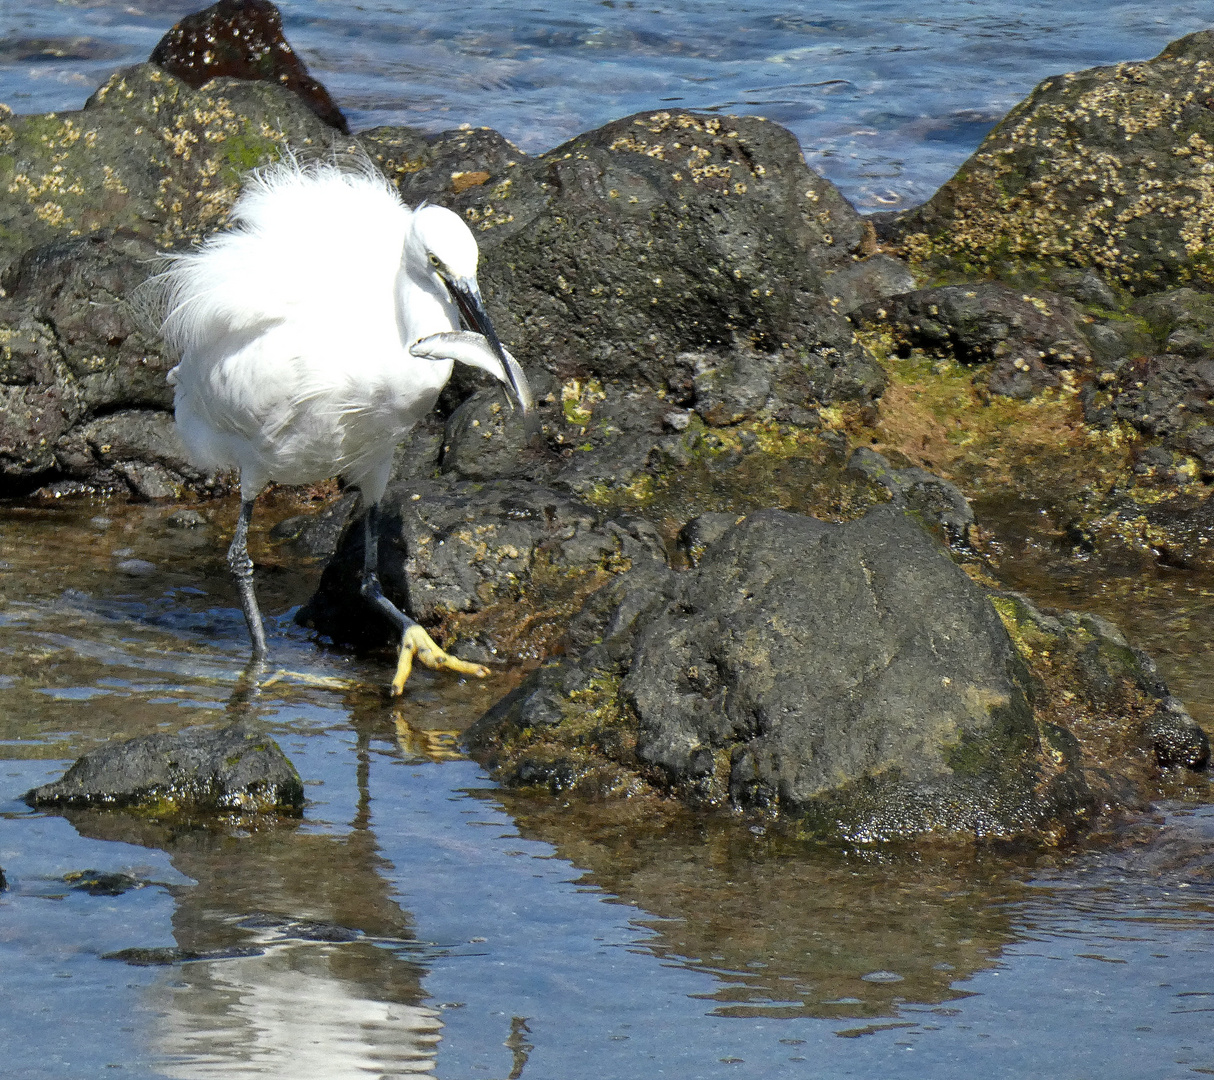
[{"x": 742, "y": 559}]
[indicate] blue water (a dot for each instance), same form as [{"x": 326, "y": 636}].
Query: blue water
[{"x": 886, "y": 98}]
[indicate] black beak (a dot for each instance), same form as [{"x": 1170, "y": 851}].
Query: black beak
[{"x": 467, "y": 297}]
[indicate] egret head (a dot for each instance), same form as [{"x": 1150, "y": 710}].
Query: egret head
[{"x": 449, "y": 248}]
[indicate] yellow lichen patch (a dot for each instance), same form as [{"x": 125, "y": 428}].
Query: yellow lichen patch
[{"x": 578, "y": 400}]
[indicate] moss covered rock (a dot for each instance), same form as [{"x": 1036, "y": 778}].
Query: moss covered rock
[{"x": 147, "y": 154}]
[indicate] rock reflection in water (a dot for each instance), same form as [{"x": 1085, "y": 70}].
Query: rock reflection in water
[
  {"x": 306, "y": 969},
  {"x": 787, "y": 928}
]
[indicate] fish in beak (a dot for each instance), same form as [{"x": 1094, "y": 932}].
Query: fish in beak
[{"x": 467, "y": 296}]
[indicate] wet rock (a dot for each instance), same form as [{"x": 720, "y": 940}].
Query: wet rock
[
  {"x": 233, "y": 769},
  {"x": 668, "y": 240},
  {"x": 1169, "y": 397},
  {"x": 1175, "y": 737},
  {"x": 932, "y": 497},
  {"x": 316, "y": 536},
  {"x": 1030, "y": 341},
  {"x": 706, "y": 685},
  {"x": 241, "y": 39},
  {"x": 185, "y": 518},
  {"x": 463, "y": 556},
  {"x": 486, "y": 438},
  {"x": 102, "y": 883},
  {"x": 135, "y": 567},
  {"x": 146, "y": 154},
  {"x": 170, "y": 954},
  {"x": 868, "y": 280},
  {"x": 1107, "y": 168}
]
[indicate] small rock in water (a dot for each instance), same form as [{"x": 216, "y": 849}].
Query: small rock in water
[
  {"x": 1176, "y": 738},
  {"x": 100, "y": 883},
  {"x": 234, "y": 769},
  {"x": 185, "y": 518},
  {"x": 136, "y": 567},
  {"x": 881, "y": 977}
]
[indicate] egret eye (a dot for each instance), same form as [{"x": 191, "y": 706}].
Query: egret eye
[{"x": 433, "y": 259}]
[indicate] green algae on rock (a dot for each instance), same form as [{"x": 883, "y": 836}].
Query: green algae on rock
[{"x": 1112, "y": 167}]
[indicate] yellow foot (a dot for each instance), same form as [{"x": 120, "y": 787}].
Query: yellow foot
[{"x": 416, "y": 642}]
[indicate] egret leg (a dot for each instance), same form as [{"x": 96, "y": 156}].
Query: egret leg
[
  {"x": 414, "y": 641},
  {"x": 242, "y": 569}
]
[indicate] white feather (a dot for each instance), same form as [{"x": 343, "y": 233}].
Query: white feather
[{"x": 294, "y": 327}]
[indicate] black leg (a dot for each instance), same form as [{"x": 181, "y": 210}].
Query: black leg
[
  {"x": 371, "y": 588},
  {"x": 242, "y": 569},
  {"x": 414, "y": 641}
]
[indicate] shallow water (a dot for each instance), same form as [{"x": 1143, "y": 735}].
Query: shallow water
[
  {"x": 886, "y": 98},
  {"x": 417, "y": 919}
]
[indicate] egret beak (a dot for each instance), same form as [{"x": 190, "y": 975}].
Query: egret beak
[{"x": 467, "y": 296}]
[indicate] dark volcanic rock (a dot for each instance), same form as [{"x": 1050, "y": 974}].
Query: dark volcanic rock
[
  {"x": 1029, "y": 340},
  {"x": 1108, "y": 168},
  {"x": 442, "y": 167},
  {"x": 665, "y": 243},
  {"x": 199, "y": 770},
  {"x": 91, "y": 198},
  {"x": 1175, "y": 737},
  {"x": 850, "y": 675},
  {"x": 866, "y": 280},
  {"x": 464, "y": 555},
  {"x": 146, "y": 154},
  {"x": 241, "y": 39},
  {"x": 932, "y": 497},
  {"x": 83, "y": 394},
  {"x": 486, "y": 438}
]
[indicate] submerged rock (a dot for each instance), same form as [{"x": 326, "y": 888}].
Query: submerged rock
[
  {"x": 1107, "y": 168},
  {"x": 234, "y": 769}
]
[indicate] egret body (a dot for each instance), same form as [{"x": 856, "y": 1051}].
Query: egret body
[{"x": 313, "y": 335}]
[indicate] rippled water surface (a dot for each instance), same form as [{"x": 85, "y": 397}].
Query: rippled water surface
[
  {"x": 887, "y": 98},
  {"x": 417, "y": 919}
]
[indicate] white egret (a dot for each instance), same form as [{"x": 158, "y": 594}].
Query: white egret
[{"x": 312, "y": 336}]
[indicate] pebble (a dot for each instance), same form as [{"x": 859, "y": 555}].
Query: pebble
[
  {"x": 136, "y": 567},
  {"x": 185, "y": 518}
]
